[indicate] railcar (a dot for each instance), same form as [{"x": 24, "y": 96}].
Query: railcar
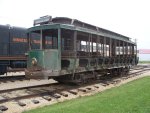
[
  {"x": 13, "y": 48},
  {"x": 78, "y": 51},
  {"x": 13, "y": 45}
]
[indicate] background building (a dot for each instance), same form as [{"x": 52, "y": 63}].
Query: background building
[{"x": 144, "y": 54}]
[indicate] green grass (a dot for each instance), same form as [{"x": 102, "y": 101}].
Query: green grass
[
  {"x": 144, "y": 62},
  {"x": 133, "y": 97}
]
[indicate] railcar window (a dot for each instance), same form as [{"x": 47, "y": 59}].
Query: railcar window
[
  {"x": 83, "y": 46},
  {"x": 35, "y": 40},
  {"x": 135, "y": 50},
  {"x": 49, "y": 37},
  {"x": 94, "y": 47},
  {"x": 100, "y": 48},
  {"x": 67, "y": 39}
]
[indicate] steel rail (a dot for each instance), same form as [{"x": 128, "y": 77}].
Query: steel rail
[{"x": 51, "y": 93}]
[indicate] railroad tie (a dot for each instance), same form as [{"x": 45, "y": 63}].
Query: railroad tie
[
  {"x": 55, "y": 96},
  {"x": 112, "y": 82},
  {"x": 83, "y": 90},
  {"x": 73, "y": 92},
  {"x": 88, "y": 88},
  {"x": 21, "y": 104},
  {"x": 21, "y": 80},
  {"x": 5, "y": 81},
  {"x": 63, "y": 94},
  {"x": 96, "y": 87},
  {"x": 103, "y": 84},
  {"x": 12, "y": 81},
  {"x": 47, "y": 98},
  {"x": 3, "y": 108},
  {"x": 35, "y": 101}
]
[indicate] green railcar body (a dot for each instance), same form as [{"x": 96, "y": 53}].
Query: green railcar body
[{"x": 99, "y": 51}]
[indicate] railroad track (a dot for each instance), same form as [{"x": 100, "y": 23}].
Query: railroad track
[
  {"x": 50, "y": 92},
  {"x": 6, "y": 79},
  {"x": 56, "y": 91},
  {"x": 139, "y": 67}
]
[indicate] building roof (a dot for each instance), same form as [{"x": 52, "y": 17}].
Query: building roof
[{"x": 144, "y": 51}]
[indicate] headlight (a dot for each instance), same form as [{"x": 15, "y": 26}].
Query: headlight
[{"x": 34, "y": 61}]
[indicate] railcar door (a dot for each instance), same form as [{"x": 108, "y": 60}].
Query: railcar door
[{"x": 44, "y": 61}]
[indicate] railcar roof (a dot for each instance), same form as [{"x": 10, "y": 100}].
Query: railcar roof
[
  {"x": 64, "y": 20},
  {"x": 73, "y": 24}
]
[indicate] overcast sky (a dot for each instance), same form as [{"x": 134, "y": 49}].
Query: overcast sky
[{"x": 127, "y": 17}]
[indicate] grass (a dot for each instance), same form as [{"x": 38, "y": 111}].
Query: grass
[
  {"x": 133, "y": 97},
  {"x": 144, "y": 62}
]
